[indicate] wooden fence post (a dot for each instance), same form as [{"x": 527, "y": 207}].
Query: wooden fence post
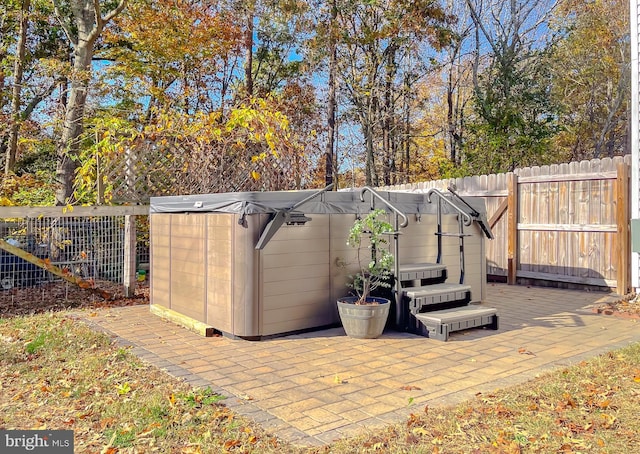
[
  {"x": 512, "y": 228},
  {"x": 129, "y": 273},
  {"x": 622, "y": 221},
  {"x": 99, "y": 176}
]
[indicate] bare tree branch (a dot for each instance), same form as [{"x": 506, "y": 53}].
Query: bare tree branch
[{"x": 64, "y": 23}]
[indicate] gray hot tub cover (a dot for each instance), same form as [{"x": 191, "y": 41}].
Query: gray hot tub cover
[{"x": 342, "y": 202}]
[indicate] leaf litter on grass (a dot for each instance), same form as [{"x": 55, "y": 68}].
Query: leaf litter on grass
[
  {"x": 57, "y": 373},
  {"x": 591, "y": 407}
]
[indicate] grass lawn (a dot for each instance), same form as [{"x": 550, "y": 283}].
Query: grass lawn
[{"x": 56, "y": 373}]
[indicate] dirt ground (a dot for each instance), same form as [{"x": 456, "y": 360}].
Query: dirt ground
[{"x": 58, "y": 296}]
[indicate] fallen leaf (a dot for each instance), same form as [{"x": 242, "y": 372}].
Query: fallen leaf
[
  {"x": 569, "y": 401},
  {"x": 609, "y": 420},
  {"x": 420, "y": 431},
  {"x": 109, "y": 449},
  {"x": 232, "y": 444},
  {"x": 150, "y": 428},
  {"x": 106, "y": 422},
  {"x": 604, "y": 404}
]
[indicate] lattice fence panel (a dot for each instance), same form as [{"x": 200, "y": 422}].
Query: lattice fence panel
[{"x": 151, "y": 170}]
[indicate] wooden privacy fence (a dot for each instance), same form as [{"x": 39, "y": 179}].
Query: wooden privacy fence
[{"x": 566, "y": 224}]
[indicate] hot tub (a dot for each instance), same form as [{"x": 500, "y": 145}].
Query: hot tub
[{"x": 258, "y": 264}]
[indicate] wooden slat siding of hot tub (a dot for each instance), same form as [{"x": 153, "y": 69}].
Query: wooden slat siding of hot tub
[
  {"x": 188, "y": 265},
  {"x": 219, "y": 249},
  {"x": 245, "y": 308},
  {"x": 300, "y": 317},
  {"x": 418, "y": 243},
  {"x": 160, "y": 272},
  {"x": 298, "y": 267},
  {"x": 295, "y": 278}
]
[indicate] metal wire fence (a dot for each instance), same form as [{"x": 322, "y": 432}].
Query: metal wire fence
[{"x": 88, "y": 246}]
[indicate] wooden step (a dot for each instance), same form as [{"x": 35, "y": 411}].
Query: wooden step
[
  {"x": 437, "y": 294},
  {"x": 439, "y": 324},
  {"x": 423, "y": 272}
]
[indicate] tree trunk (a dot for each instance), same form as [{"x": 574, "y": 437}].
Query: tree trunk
[
  {"x": 87, "y": 26},
  {"x": 331, "y": 100},
  {"x": 370, "y": 167},
  {"x": 387, "y": 116},
  {"x": 451, "y": 122},
  {"x": 72, "y": 129},
  {"x": 405, "y": 142},
  {"x": 248, "y": 63},
  {"x": 63, "y": 89},
  {"x": 386, "y": 134},
  {"x": 16, "y": 97}
]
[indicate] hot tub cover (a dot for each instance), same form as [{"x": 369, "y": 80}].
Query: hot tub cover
[{"x": 342, "y": 202}]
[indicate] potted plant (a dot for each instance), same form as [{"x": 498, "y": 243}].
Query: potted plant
[{"x": 363, "y": 315}]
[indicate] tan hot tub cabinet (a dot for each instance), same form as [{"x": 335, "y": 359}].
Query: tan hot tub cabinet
[{"x": 259, "y": 264}]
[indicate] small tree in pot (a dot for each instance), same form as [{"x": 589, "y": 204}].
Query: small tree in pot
[
  {"x": 364, "y": 316},
  {"x": 376, "y": 266}
]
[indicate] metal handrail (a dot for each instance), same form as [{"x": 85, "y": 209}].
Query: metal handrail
[
  {"x": 463, "y": 219},
  {"x": 396, "y": 243},
  {"x": 312, "y": 196},
  {"x": 453, "y": 192},
  {"x": 373, "y": 192},
  {"x": 279, "y": 217},
  {"x": 467, "y": 219}
]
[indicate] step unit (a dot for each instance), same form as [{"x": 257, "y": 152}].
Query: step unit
[
  {"x": 436, "y": 297},
  {"x": 433, "y": 308},
  {"x": 438, "y": 324},
  {"x": 421, "y": 274}
]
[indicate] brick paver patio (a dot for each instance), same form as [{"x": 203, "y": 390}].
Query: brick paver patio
[{"x": 315, "y": 387}]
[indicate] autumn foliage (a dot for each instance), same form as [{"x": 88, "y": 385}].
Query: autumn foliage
[{"x": 166, "y": 97}]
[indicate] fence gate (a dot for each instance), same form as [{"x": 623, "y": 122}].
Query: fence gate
[{"x": 564, "y": 224}]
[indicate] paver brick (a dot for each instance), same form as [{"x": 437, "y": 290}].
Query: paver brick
[
  {"x": 323, "y": 416},
  {"x": 314, "y": 387}
]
